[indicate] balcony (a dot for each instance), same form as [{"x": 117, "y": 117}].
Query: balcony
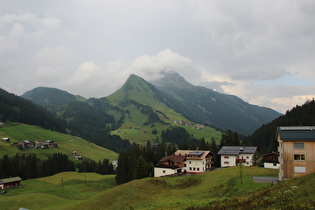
[{"x": 240, "y": 160}]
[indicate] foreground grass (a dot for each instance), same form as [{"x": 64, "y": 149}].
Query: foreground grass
[
  {"x": 66, "y": 143},
  {"x": 220, "y": 189},
  {"x": 58, "y": 191},
  {"x": 179, "y": 192}
]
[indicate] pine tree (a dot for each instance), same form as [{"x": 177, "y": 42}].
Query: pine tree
[{"x": 141, "y": 170}]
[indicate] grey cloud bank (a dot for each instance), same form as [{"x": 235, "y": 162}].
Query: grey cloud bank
[{"x": 261, "y": 51}]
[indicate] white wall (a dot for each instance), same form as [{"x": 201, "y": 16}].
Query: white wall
[
  {"x": 249, "y": 160},
  {"x": 158, "y": 172},
  {"x": 228, "y": 162},
  {"x": 270, "y": 165},
  {"x": 192, "y": 166}
]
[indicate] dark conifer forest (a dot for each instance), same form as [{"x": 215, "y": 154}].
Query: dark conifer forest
[{"x": 265, "y": 136}]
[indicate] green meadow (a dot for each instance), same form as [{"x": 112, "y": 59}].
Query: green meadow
[
  {"x": 66, "y": 143},
  {"x": 221, "y": 189},
  {"x": 145, "y": 133},
  {"x": 58, "y": 191}
]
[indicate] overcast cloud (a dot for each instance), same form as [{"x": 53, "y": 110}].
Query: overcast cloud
[{"x": 261, "y": 51}]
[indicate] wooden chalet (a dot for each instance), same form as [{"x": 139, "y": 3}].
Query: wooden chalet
[
  {"x": 271, "y": 160},
  {"x": 10, "y": 182},
  {"x": 296, "y": 151}
]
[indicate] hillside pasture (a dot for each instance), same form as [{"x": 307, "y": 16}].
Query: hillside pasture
[
  {"x": 220, "y": 189},
  {"x": 180, "y": 192},
  {"x": 66, "y": 143},
  {"x": 58, "y": 191}
]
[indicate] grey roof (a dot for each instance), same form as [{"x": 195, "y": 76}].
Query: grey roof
[
  {"x": 236, "y": 150},
  {"x": 297, "y": 133}
]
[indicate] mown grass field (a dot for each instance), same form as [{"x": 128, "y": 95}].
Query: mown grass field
[
  {"x": 56, "y": 192},
  {"x": 221, "y": 189},
  {"x": 66, "y": 143}
]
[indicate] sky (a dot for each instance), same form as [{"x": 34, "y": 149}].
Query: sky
[{"x": 262, "y": 51}]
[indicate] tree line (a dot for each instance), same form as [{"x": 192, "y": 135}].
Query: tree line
[
  {"x": 265, "y": 136},
  {"x": 30, "y": 167}
]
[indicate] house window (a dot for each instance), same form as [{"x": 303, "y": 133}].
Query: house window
[
  {"x": 247, "y": 157},
  {"x": 163, "y": 171},
  {"x": 298, "y": 145},
  {"x": 190, "y": 168},
  {"x": 299, "y": 157},
  {"x": 275, "y": 164},
  {"x": 247, "y": 163},
  {"x": 226, "y": 157},
  {"x": 226, "y": 162},
  {"x": 197, "y": 169},
  {"x": 194, "y": 169},
  {"x": 299, "y": 169},
  {"x": 185, "y": 165},
  {"x": 189, "y": 162}
]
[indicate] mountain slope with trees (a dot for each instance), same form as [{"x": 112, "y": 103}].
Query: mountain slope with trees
[
  {"x": 16, "y": 109},
  {"x": 140, "y": 111},
  {"x": 265, "y": 136},
  {"x": 210, "y": 107}
]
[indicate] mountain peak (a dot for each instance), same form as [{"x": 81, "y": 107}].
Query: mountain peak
[{"x": 173, "y": 79}]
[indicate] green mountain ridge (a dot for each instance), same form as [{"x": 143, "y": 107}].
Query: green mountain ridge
[
  {"x": 206, "y": 106},
  {"x": 147, "y": 107}
]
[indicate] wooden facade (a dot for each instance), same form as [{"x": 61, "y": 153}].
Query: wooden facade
[{"x": 296, "y": 153}]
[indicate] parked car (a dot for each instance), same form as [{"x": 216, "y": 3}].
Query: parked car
[{"x": 4, "y": 192}]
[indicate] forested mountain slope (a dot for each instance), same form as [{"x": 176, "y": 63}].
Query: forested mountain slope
[
  {"x": 17, "y": 109},
  {"x": 265, "y": 136},
  {"x": 207, "y": 106}
]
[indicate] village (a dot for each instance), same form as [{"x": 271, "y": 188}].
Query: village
[{"x": 294, "y": 157}]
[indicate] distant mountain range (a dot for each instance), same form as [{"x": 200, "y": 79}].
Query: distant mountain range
[{"x": 142, "y": 104}]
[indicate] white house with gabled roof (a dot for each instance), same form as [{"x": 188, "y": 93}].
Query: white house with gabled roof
[
  {"x": 184, "y": 161},
  {"x": 233, "y": 155}
]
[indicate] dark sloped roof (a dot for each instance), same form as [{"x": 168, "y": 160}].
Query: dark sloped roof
[
  {"x": 236, "y": 150},
  {"x": 196, "y": 153},
  {"x": 11, "y": 179},
  {"x": 297, "y": 133},
  {"x": 173, "y": 158}
]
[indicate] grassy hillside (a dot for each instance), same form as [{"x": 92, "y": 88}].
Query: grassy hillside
[
  {"x": 146, "y": 109},
  {"x": 58, "y": 191},
  {"x": 220, "y": 189},
  {"x": 145, "y": 133},
  {"x": 66, "y": 143}
]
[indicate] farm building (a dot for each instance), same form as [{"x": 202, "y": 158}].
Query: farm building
[
  {"x": 271, "y": 160},
  {"x": 10, "y": 182},
  {"x": 25, "y": 144},
  {"x": 296, "y": 151},
  {"x": 184, "y": 161},
  {"x": 233, "y": 155},
  {"x": 6, "y": 139}
]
